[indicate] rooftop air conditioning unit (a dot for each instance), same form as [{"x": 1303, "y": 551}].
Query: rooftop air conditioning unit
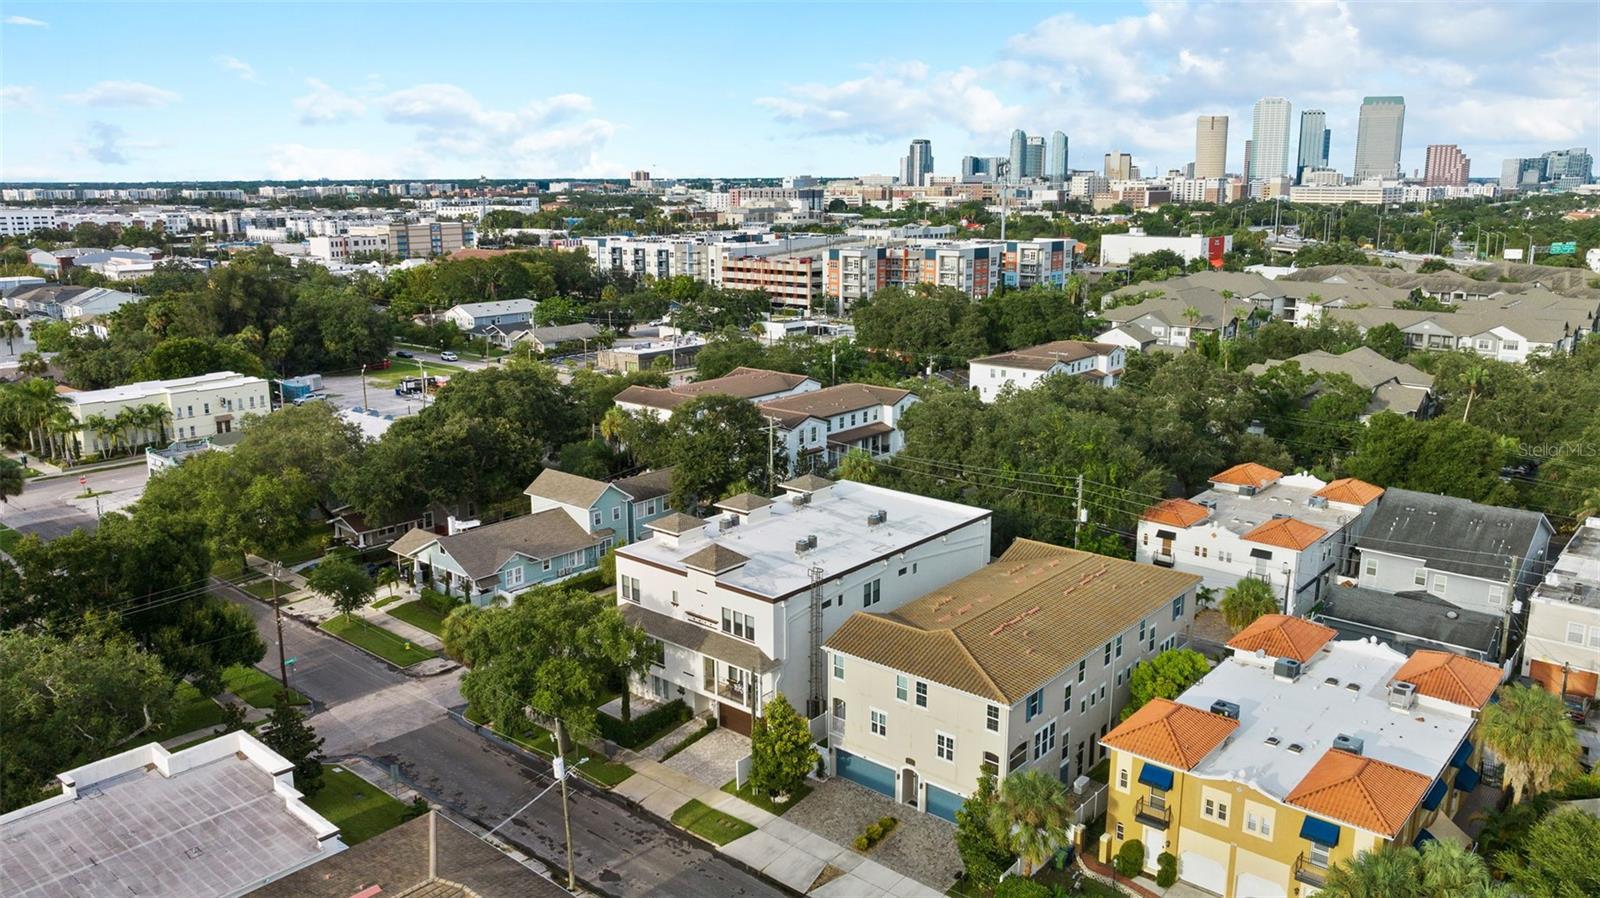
[
  {"x": 1402, "y": 695},
  {"x": 1318, "y": 502},
  {"x": 1286, "y": 669},
  {"x": 1226, "y": 708},
  {"x": 728, "y": 522},
  {"x": 801, "y": 499},
  {"x": 877, "y": 517},
  {"x": 1351, "y": 744}
]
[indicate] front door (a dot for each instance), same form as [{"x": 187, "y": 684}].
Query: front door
[
  {"x": 1155, "y": 842},
  {"x": 909, "y": 791}
]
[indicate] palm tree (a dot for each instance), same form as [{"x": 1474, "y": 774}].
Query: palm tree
[
  {"x": 388, "y": 576},
  {"x": 11, "y": 330},
  {"x": 1247, "y": 600},
  {"x": 1450, "y": 870},
  {"x": 1030, "y": 817},
  {"x": 1529, "y": 732},
  {"x": 63, "y": 430},
  {"x": 1191, "y": 315},
  {"x": 125, "y": 420},
  {"x": 1391, "y": 871},
  {"x": 32, "y": 364},
  {"x": 857, "y": 465},
  {"x": 11, "y": 479},
  {"x": 153, "y": 419},
  {"x": 1473, "y": 377},
  {"x": 102, "y": 427}
]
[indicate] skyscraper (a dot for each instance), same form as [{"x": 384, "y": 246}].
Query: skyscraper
[
  {"x": 1119, "y": 166},
  {"x": 1269, "y": 138},
  {"x": 1033, "y": 158},
  {"x": 1019, "y": 154},
  {"x": 1447, "y": 166},
  {"x": 1056, "y": 164},
  {"x": 1314, "y": 138},
  {"x": 1210, "y": 146},
  {"x": 1378, "y": 134},
  {"x": 917, "y": 165}
]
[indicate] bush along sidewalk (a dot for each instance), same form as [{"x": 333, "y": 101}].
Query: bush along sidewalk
[{"x": 875, "y": 833}]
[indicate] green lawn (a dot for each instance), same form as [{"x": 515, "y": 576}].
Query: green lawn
[
  {"x": 8, "y": 538},
  {"x": 710, "y": 824},
  {"x": 420, "y": 614},
  {"x": 376, "y": 640},
  {"x": 360, "y": 809},
  {"x": 263, "y": 588},
  {"x": 256, "y": 688},
  {"x": 387, "y": 600},
  {"x": 312, "y": 543},
  {"x": 760, "y": 800},
  {"x": 542, "y": 742},
  {"x": 190, "y": 711},
  {"x": 404, "y": 368}
]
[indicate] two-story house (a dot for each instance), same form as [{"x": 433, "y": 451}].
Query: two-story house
[
  {"x": 1098, "y": 363},
  {"x": 819, "y": 427},
  {"x": 1477, "y": 557},
  {"x": 1562, "y": 650},
  {"x": 1023, "y": 664},
  {"x": 623, "y": 506},
  {"x": 505, "y": 314},
  {"x": 1295, "y": 753},
  {"x": 757, "y": 385},
  {"x": 1293, "y": 532},
  {"x": 741, "y": 604}
]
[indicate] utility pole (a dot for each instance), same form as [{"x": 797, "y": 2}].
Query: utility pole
[
  {"x": 1077, "y": 523},
  {"x": 364, "y": 403},
  {"x": 772, "y": 436},
  {"x": 560, "y": 767},
  {"x": 1511, "y": 602},
  {"x": 277, "y": 616}
]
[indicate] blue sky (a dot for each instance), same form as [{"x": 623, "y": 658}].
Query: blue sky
[{"x": 176, "y": 91}]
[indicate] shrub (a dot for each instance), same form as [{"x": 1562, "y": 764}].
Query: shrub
[
  {"x": 591, "y": 581},
  {"x": 1129, "y": 861},
  {"x": 874, "y": 832},
  {"x": 1021, "y": 887},
  {"x": 1166, "y": 869},
  {"x": 436, "y": 600},
  {"x": 861, "y": 843},
  {"x": 638, "y": 731},
  {"x": 887, "y": 823}
]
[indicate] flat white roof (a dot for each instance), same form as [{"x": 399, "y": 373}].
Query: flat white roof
[
  {"x": 1289, "y": 496},
  {"x": 1310, "y": 712},
  {"x": 149, "y": 388},
  {"x": 838, "y": 518}
]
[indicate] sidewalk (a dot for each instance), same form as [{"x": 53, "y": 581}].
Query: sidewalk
[{"x": 779, "y": 849}]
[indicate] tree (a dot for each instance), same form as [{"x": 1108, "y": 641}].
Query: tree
[
  {"x": 1247, "y": 600},
  {"x": 1391, "y": 871},
  {"x": 781, "y": 753},
  {"x": 342, "y": 582},
  {"x": 858, "y": 466},
  {"x": 1166, "y": 675},
  {"x": 1387, "y": 340},
  {"x": 64, "y": 700},
  {"x": 553, "y": 652},
  {"x": 711, "y": 442},
  {"x": 1450, "y": 870},
  {"x": 32, "y": 364},
  {"x": 1528, "y": 730},
  {"x": 982, "y": 856},
  {"x": 286, "y": 732},
  {"x": 1474, "y": 377},
  {"x": 12, "y": 477},
  {"x": 1030, "y": 817},
  {"x": 10, "y": 330},
  {"x": 1558, "y": 857},
  {"x": 388, "y": 576}
]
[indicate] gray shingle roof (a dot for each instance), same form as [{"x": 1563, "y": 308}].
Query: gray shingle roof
[
  {"x": 481, "y": 551},
  {"x": 649, "y": 485},
  {"x": 568, "y": 489},
  {"x": 1419, "y": 619},
  {"x": 1451, "y": 534}
]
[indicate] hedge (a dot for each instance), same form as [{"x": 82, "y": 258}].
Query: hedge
[{"x": 644, "y": 727}]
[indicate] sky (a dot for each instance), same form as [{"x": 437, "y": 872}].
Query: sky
[{"x": 292, "y": 90}]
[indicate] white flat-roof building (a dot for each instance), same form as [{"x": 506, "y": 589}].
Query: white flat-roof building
[
  {"x": 1098, "y": 363},
  {"x": 741, "y": 604},
  {"x": 200, "y": 406}
]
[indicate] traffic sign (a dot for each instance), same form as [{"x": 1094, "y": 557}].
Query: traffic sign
[
  {"x": 1564, "y": 249},
  {"x": 83, "y": 481}
]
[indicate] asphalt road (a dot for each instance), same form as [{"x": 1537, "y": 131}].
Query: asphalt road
[{"x": 51, "y": 508}]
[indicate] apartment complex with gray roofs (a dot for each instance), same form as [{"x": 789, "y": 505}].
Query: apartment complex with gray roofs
[
  {"x": 1395, "y": 386},
  {"x": 1507, "y": 328},
  {"x": 1177, "y": 314},
  {"x": 65, "y": 302}
]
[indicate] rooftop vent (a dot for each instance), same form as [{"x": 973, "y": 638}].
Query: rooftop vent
[
  {"x": 877, "y": 517},
  {"x": 728, "y": 522},
  {"x": 1272, "y": 740},
  {"x": 1353, "y": 687},
  {"x": 800, "y": 499},
  {"x": 1331, "y": 681},
  {"x": 1318, "y": 501},
  {"x": 802, "y": 546},
  {"x": 1351, "y": 744},
  {"x": 1402, "y": 695},
  {"x": 1296, "y": 748},
  {"x": 1286, "y": 669},
  {"x": 1226, "y": 708}
]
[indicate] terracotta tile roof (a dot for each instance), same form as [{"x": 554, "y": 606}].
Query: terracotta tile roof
[
  {"x": 1172, "y": 734},
  {"x": 1010, "y": 627},
  {"x": 1247, "y": 474},
  {"x": 1282, "y": 636},
  {"x": 1360, "y": 791},
  {"x": 1286, "y": 533},
  {"x": 1177, "y": 512},
  {"x": 1450, "y": 677},
  {"x": 1350, "y": 491}
]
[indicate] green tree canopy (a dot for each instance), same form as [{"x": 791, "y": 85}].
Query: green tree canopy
[
  {"x": 780, "y": 749},
  {"x": 1166, "y": 675}
]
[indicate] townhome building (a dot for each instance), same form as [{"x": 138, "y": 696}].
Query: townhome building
[
  {"x": 195, "y": 407},
  {"x": 1180, "y": 317},
  {"x": 1298, "y": 752},
  {"x": 65, "y": 302},
  {"x": 742, "y": 604},
  {"x": 818, "y": 428},
  {"x": 1021, "y": 665},
  {"x": 623, "y": 506},
  {"x": 1395, "y": 386},
  {"x": 1130, "y": 337},
  {"x": 504, "y": 313},
  {"x": 758, "y": 385},
  {"x": 1562, "y": 649},
  {"x": 1507, "y": 328},
  {"x": 1098, "y": 363},
  {"x": 1478, "y": 557},
  {"x": 1293, "y": 532}
]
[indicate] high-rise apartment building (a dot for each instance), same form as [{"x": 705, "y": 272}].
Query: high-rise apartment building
[
  {"x": 917, "y": 165},
  {"x": 1019, "y": 155},
  {"x": 984, "y": 168},
  {"x": 1269, "y": 137},
  {"x": 1314, "y": 139},
  {"x": 1210, "y": 146},
  {"x": 1447, "y": 166},
  {"x": 1570, "y": 167},
  {"x": 1033, "y": 158},
  {"x": 1056, "y": 162},
  {"x": 1119, "y": 166},
  {"x": 1378, "y": 136}
]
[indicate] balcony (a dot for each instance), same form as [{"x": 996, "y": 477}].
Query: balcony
[
  {"x": 734, "y": 691},
  {"x": 1163, "y": 559},
  {"x": 1152, "y": 814},
  {"x": 1309, "y": 872}
]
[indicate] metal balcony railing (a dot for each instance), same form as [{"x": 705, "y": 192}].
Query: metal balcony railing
[
  {"x": 1310, "y": 872},
  {"x": 1152, "y": 814}
]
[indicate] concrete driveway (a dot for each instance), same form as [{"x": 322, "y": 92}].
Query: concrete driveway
[{"x": 713, "y": 759}]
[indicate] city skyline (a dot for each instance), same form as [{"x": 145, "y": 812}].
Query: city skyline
[{"x": 243, "y": 105}]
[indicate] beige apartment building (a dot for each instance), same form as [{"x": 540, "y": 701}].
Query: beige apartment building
[{"x": 197, "y": 407}]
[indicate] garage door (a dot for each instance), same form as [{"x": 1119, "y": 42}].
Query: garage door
[
  {"x": 874, "y": 776},
  {"x": 1202, "y": 871},
  {"x": 1552, "y": 677},
  {"x": 941, "y": 803},
  {"x": 736, "y": 719},
  {"x": 1247, "y": 886}
]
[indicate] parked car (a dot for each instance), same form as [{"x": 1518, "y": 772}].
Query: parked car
[
  {"x": 449, "y": 356},
  {"x": 402, "y": 354}
]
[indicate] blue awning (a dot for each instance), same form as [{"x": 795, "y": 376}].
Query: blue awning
[
  {"x": 1435, "y": 795},
  {"x": 1423, "y": 836},
  {"x": 1155, "y": 777},
  {"x": 1320, "y": 831},
  {"x": 1459, "y": 759},
  {"x": 1467, "y": 779}
]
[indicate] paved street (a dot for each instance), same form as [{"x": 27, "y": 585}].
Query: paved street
[{"x": 50, "y": 507}]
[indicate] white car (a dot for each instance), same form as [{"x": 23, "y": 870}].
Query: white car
[{"x": 449, "y": 356}]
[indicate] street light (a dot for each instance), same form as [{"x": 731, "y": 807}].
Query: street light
[{"x": 364, "y": 403}]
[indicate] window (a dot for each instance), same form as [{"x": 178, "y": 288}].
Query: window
[
  {"x": 514, "y": 576},
  {"x": 596, "y": 518},
  {"x": 1440, "y": 581},
  {"x": 735, "y": 623},
  {"x": 838, "y": 709},
  {"x": 1034, "y": 705},
  {"x": 993, "y": 720},
  {"x": 1107, "y": 654},
  {"x": 1122, "y": 779},
  {"x": 630, "y": 587},
  {"x": 1083, "y": 664},
  {"x": 922, "y": 694},
  {"x": 1419, "y": 577},
  {"x": 1141, "y": 632},
  {"x": 1214, "y": 809},
  {"x": 945, "y": 746},
  {"x": 991, "y": 759},
  {"x": 880, "y": 723},
  {"x": 1575, "y": 633},
  {"x": 1066, "y": 702},
  {"x": 1511, "y": 345},
  {"x": 1318, "y": 855},
  {"x": 1119, "y": 831},
  {"x": 1044, "y": 741},
  {"x": 1119, "y": 646},
  {"x": 658, "y": 653},
  {"x": 899, "y": 687},
  {"x": 870, "y": 593},
  {"x": 207, "y": 407},
  {"x": 1177, "y": 607},
  {"x": 547, "y": 564},
  {"x": 838, "y": 667},
  {"x": 616, "y": 513},
  {"x": 1258, "y": 820},
  {"x": 1372, "y": 567}
]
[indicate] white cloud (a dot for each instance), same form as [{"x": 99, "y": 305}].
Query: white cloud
[
  {"x": 124, "y": 93},
  {"x": 25, "y": 22},
  {"x": 239, "y": 67},
  {"x": 893, "y": 100},
  {"x": 298, "y": 162},
  {"x": 324, "y": 104},
  {"x": 105, "y": 143},
  {"x": 554, "y": 135},
  {"x": 16, "y": 96}
]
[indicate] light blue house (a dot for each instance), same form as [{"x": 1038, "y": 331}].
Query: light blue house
[{"x": 616, "y": 511}]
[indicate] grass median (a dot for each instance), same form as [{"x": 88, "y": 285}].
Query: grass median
[
  {"x": 391, "y": 647},
  {"x": 255, "y": 688},
  {"x": 709, "y": 823},
  {"x": 360, "y": 809},
  {"x": 419, "y": 614}
]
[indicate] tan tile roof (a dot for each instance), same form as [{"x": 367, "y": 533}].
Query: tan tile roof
[
  {"x": 746, "y": 501},
  {"x": 714, "y": 559},
  {"x": 835, "y": 400},
  {"x": 1286, "y": 533},
  {"x": 1450, "y": 677},
  {"x": 1177, "y": 512},
  {"x": 1006, "y": 629},
  {"x": 1350, "y": 491},
  {"x": 1361, "y": 791},
  {"x": 1247, "y": 474},
  {"x": 745, "y": 383},
  {"x": 807, "y": 483},
  {"x": 676, "y": 523},
  {"x": 1170, "y": 733},
  {"x": 1282, "y": 636},
  {"x": 1046, "y": 355},
  {"x": 568, "y": 489}
]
